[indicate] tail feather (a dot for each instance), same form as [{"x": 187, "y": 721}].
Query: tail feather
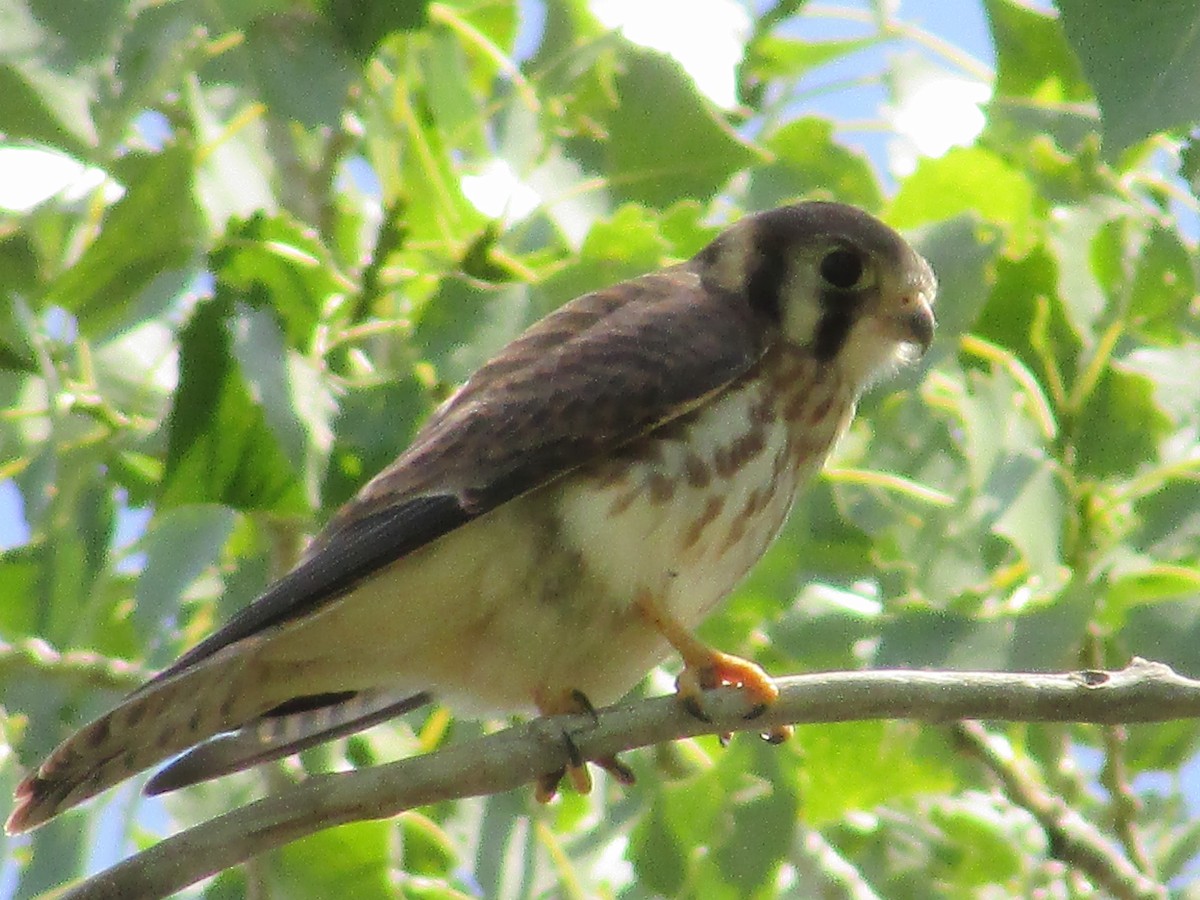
[
  {"x": 154, "y": 723},
  {"x": 275, "y": 736}
]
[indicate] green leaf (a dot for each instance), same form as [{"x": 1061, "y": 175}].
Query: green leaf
[
  {"x": 980, "y": 827},
  {"x": 810, "y": 163},
  {"x": 1033, "y": 58},
  {"x": 1022, "y": 315},
  {"x": 1174, "y": 373},
  {"x": 965, "y": 180},
  {"x": 452, "y": 102},
  {"x": 16, "y": 348},
  {"x": 300, "y": 67},
  {"x": 1018, "y": 128},
  {"x": 628, "y": 244},
  {"x": 152, "y": 229},
  {"x": 856, "y": 766},
  {"x": 665, "y": 142},
  {"x": 1168, "y": 631},
  {"x": 772, "y": 56},
  {"x": 1041, "y": 640},
  {"x": 962, "y": 252},
  {"x": 1031, "y": 497},
  {"x": 1074, "y": 235},
  {"x": 163, "y": 41},
  {"x": 221, "y": 448},
  {"x": 657, "y": 855},
  {"x": 234, "y": 178},
  {"x": 1169, "y": 519},
  {"x": 1108, "y": 446},
  {"x": 373, "y": 425},
  {"x": 20, "y": 573},
  {"x": 276, "y": 263},
  {"x": 1155, "y": 584},
  {"x": 179, "y": 545},
  {"x": 296, "y": 404},
  {"x": 759, "y": 816},
  {"x": 1140, "y": 93},
  {"x": 1164, "y": 284},
  {"x": 362, "y": 24},
  {"x": 137, "y": 370},
  {"x": 349, "y": 861},
  {"x": 466, "y": 323},
  {"x": 47, "y": 95}
]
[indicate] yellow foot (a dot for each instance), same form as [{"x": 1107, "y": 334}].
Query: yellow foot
[
  {"x": 716, "y": 669},
  {"x": 576, "y": 770},
  {"x": 705, "y": 668}
]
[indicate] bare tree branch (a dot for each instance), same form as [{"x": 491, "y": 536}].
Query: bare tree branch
[{"x": 1143, "y": 692}]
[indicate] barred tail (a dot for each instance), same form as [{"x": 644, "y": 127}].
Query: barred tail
[
  {"x": 285, "y": 731},
  {"x": 157, "y": 721}
]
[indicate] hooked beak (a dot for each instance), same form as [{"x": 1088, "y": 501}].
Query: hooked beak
[{"x": 919, "y": 323}]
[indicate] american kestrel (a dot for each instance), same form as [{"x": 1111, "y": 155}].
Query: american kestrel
[{"x": 560, "y": 524}]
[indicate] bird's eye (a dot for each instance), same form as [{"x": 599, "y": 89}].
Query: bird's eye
[{"x": 842, "y": 268}]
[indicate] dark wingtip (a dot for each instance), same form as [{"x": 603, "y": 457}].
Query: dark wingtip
[{"x": 31, "y": 809}]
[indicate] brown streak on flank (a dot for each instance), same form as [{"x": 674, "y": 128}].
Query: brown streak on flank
[
  {"x": 754, "y": 503},
  {"x": 821, "y": 409},
  {"x": 711, "y": 510},
  {"x": 780, "y": 462},
  {"x": 622, "y": 503},
  {"x": 660, "y": 487},
  {"x": 737, "y": 531},
  {"x": 800, "y": 451},
  {"x": 97, "y": 734},
  {"x": 762, "y": 413},
  {"x": 725, "y": 463},
  {"x": 793, "y": 410},
  {"x": 608, "y": 473},
  {"x": 748, "y": 446},
  {"x": 695, "y": 471},
  {"x": 133, "y": 715}
]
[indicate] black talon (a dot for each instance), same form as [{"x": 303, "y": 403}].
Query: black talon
[
  {"x": 585, "y": 705},
  {"x": 692, "y": 705},
  {"x": 617, "y": 769},
  {"x": 573, "y": 753},
  {"x": 756, "y": 711},
  {"x": 547, "y": 784}
]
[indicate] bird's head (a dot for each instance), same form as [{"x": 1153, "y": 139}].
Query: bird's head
[{"x": 835, "y": 281}]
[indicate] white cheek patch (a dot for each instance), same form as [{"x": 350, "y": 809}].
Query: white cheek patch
[
  {"x": 733, "y": 261},
  {"x": 801, "y": 306}
]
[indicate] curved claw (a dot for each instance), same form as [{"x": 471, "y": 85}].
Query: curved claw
[{"x": 576, "y": 771}]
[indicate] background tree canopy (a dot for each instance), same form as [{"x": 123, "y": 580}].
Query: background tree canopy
[{"x": 293, "y": 225}]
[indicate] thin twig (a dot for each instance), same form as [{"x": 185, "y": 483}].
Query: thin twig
[
  {"x": 1125, "y": 803},
  {"x": 1071, "y": 838},
  {"x": 842, "y": 880},
  {"x": 33, "y": 656},
  {"x": 506, "y": 760}
]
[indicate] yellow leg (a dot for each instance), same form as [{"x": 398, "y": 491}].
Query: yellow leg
[{"x": 703, "y": 667}]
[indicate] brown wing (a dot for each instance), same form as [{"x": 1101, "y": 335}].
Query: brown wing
[{"x": 603, "y": 370}]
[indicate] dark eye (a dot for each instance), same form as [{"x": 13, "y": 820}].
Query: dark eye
[{"x": 842, "y": 268}]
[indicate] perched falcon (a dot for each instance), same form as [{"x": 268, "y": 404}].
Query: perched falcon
[{"x": 560, "y": 523}]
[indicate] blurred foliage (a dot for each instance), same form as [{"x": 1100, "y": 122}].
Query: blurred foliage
[{"x": 281, "y": 273}]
